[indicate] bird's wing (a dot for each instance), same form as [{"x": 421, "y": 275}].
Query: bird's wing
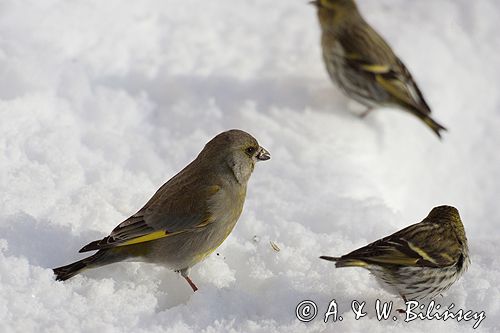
[
  {"x": 367, "y": 52},
  {"x": 422, "y": 244},
  {"x": 172, "y": 210}
]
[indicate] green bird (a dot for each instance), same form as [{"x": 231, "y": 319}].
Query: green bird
[
  {"x": 188, "y": 217},
  {"x": 361, "y": 63},
  {"x": 420, "y": 261}
]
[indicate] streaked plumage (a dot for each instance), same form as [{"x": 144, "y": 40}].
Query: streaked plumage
[
  {"x": 420, "y": 261},
  {"x": 189, "y": 216},
  {"x": 364, "y": 66}
]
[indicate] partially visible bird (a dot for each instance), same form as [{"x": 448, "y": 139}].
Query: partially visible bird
[
  {"x": 188, "y": 217},
  {"x": 420, "y": 261},
  {"x": 364, "y": 66}
]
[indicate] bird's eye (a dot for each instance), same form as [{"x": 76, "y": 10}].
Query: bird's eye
[{"x": 250, "y": 150}]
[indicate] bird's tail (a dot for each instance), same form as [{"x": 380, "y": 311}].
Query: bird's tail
[
  {"x": 433, "y": 125},
  {"x": 65, "y": 272},
  {"x": 343, "y": 262},
  {"x": 423, "y": 112}
]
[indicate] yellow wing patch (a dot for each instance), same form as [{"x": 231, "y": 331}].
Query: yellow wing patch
[
  {"x": 376, "y": 69},
  {"x": 396, "y": 260},
  {"x": 393, "y": 87},
  {"x": 214, "y": 189},
  {"x": 162, "y": 233},
  {"x": 447, "y": 257},
  {"x": 205, "y": 223},
  {"x": 149, "y": 237},
  {"x": 421, "y": 252},
  {"x": 356, "y": 263}
]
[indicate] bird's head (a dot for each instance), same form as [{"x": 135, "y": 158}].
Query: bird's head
[
  {"x": 334, "y": 4},
  {"x": 444, "y": 213},
  {"x": 448, "y": 214},
  {"x": 331, "y": 13},
  {"x": 237, "y": 150}
]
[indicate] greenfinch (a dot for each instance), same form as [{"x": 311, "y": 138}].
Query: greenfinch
[
  {"x": 418, "y": 262},
  {"x": 361, "y": 63},
  {"x": 188, "y": 217}
]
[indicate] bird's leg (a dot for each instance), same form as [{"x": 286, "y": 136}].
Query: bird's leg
[
  {"x": 191, "y": 283},
  {"x": 401, "y": 310},
  {"x": 185, "y": 274},
  {"x": 366, "y": 112}
]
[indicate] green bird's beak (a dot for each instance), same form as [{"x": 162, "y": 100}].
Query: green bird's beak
[{"x": 263, "y": 154}]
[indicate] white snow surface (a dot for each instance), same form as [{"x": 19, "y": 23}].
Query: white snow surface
[{"x": 101, "y": 102}]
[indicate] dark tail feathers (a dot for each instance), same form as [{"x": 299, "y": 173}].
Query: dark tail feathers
[
  {"x": 330, "y": 258},
  {"x": 346, "y": 262},
  {"x": 65, "y": 272},
  {"x": 433, "y": 125}
]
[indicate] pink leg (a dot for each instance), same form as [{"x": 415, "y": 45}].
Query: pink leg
[{"x": 191, "y": 283}]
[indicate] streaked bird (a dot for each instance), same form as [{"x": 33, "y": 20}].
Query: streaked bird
[
  {"x": 361, "y": 63},
  {"x": 188, "y": 217},
  {"x": 418, "y": 262}
]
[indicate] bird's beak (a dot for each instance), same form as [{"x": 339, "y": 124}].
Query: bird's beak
[
  {"x": 314, "y": 3},
  {"x": 263, "y": 155}
]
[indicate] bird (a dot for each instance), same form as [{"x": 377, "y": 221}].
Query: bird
[
  {"x": 188, "y": 217},
  {"x": 418, "y": 262},
  {"x": 363, "y": 65}
]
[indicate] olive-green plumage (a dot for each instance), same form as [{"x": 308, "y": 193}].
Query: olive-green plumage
[
  {"x": 364, "y": 66},
  {"x": 420, "y": 261},
  {"x": 189, "y": 216}
]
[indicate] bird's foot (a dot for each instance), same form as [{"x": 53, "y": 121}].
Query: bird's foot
[
  {"x": 365, "y": 113},
  {"x": 404, "y": 300}
]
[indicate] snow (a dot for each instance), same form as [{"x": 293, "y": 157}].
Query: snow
[{"x": 103, "y": 101}]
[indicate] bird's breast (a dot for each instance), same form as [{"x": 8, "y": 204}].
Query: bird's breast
[
  {"x": 225, "y": 208},
  {"x": 226, "y": 205}
]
